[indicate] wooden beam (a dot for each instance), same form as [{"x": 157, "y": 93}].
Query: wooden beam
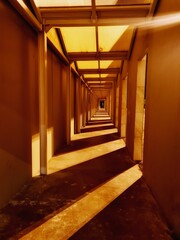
[
  {"x": 153, "y": 7},
  {"x": 36, "y": 11},
  {"x": 62, "y": 42},
  {"x": 101, "y": 79},
  {"x": 86, "y": 22},
  {"x": 47, "y": 12},
  {"x": 101, "y": 84},
  {"x": 97, "y": 71},
  {"x": 132, "y": 43},
  {"x": 101, "y": 87},
  {"x": 21, "y": 7},
  {"x": 95, "y": 15},
  {"x": 118, "y": 55}
]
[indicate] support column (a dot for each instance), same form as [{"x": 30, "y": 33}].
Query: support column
[
  {"x": 77, "y": 105},
  {"x": 81, "y": 99},
  {"x": 84, "y": 105},
  {"x": 123, "y": 107},
  {"x": 42, "y": 76},
  {"x": 114, "y": 100},
  {"x": 68, "y": 109}
]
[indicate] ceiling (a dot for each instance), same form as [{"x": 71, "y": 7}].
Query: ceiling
[{"x": 96, "y": 35}]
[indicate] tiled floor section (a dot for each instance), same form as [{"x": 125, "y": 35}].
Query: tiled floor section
[{"x": 132, "y": 215}]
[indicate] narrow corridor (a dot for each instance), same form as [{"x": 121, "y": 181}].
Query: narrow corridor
[
  {"x": 93, "y": 191},
  {"x": 89, "y": 119}
]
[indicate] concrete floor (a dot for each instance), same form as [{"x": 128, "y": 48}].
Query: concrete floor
[{"x": 86, "y": 200}]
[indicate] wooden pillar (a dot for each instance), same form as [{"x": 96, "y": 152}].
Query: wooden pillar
[
  {"x": 114, "y": 101},
  {"x": 42, "y": 76},
  {"x": 81, "y": 99},
  {"x": 123, "y": 106},
  {"x": 84, "y": 102},
  {"x": 68, "y": 109},
  {"x": 77, "y": 105}
]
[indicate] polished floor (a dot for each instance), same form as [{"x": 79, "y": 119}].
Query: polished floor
[{"x": 93, "y": 191}]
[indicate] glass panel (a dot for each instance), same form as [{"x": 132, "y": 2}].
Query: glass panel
[
  {"x": 62, "y": 3},
  {"x": 109, "y": 37},
  {"x": 110, "y": 64},
  {"x": 121, "y": 2},
  {"x": 103, "y": 76},
  {"x": 87, "y": 64},
  {"x": 106, "y": 2},
  {"x": 91, "y": 75},
  {"x": 108, "y": 75},
  {"x": 77, "y": 39},
  {"x": 53, "y": 37},
  {"x": 91, "y": 82}
]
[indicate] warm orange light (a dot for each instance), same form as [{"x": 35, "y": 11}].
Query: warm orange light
[
  {"x": 66, "y": 160},
  {"x": 87, "y": 64},
  {"x": 62, "y": 3},
  {"x": 71, "y": 219},
  {"x": 77, "y": 39},
  {"x": 109, "y": 35}
]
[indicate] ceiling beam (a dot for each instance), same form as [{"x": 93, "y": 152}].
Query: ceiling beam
[
  {"x": 94, "y": 71},
  {"x": 87, "y": 22},
  {"x": 25, "y": 12},
  {"x": 100, "y": 84},
  {"x": 36, "y": 11},
  {"x": 95, "y": 15},
  {"x": 137, "y": 8},
  {"x": 132, "y": 43},
  {"x": 101, "y": 87},
  {"x": 115, "y": 55},
  {"x": 110, "y": 79},
  {"x": 153, "y": 7}
]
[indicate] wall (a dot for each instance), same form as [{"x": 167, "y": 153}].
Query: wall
[
  {"x": 162, "y": 128},
  {"x": 162, "y": 135},
  {"x": 139, "y": 50},
  {"x": 123, "y": 114},
  {"x": 58, "y": 87},
  {"x": 18, "y": 100},
  {"x": 77, "y": 104},
  {"x": 72, "y": 103}
]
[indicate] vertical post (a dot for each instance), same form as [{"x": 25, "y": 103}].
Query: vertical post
[
  {"x": 84, "y": 105},
  {"x": 68, "y": 108},
  {"x": 77, "y": 106},
  {"x": 123, "y": 106},
  {"x": 42, "y": 76},
  {"x": 120, "y": 104}
]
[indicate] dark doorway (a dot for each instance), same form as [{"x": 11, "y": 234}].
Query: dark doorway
[{"x": 101, "y": 103}]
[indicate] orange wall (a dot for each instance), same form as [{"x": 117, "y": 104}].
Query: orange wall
[
  {"x": 162, "y": 128},
  {"x": 162, "y": 139},
  {"x": 139, "y": 50},
  {"x": 58, "y": 77},
  {"x": 18, "y": 100},
  {"x": 72, "y": 103}
]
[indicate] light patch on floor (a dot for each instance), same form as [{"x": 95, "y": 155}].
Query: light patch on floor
[
  {"x": 70, "y": 159},
  {"x": 93, "y": 134},
  {"x": 64, "y": 224},
  {"x": 98, "y": 125},
  {"x": 100, "y": 118}
]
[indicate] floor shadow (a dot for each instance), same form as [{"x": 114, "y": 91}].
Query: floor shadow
[
  {"x": 94, "y": 122},
  {"x": 133, "y": 215},
  {"x": 44, "y": 196},
  {"x": 96, "y": 128},
  {"x": 86, "y": 142}
]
